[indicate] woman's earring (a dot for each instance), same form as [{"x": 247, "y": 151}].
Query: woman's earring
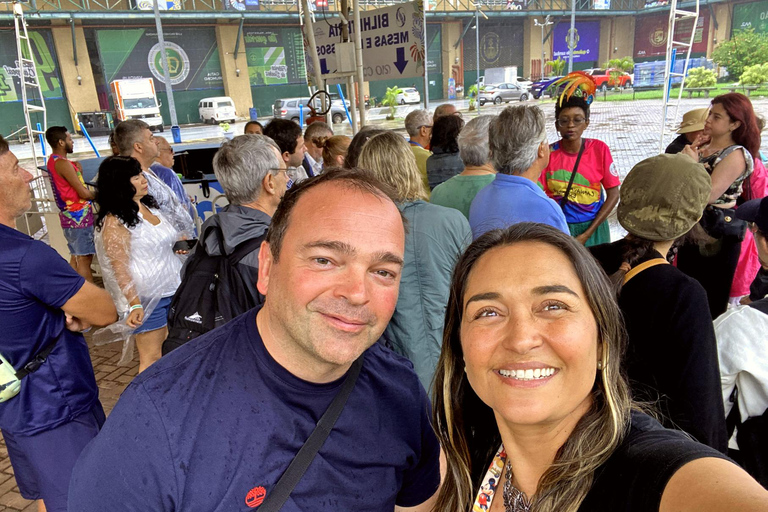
[{"x": 599, "y": 365}]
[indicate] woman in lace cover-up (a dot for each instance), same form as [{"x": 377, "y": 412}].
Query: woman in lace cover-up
[{"x": 134, "y": 243}]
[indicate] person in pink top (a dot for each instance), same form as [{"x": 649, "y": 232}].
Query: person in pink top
[
  {"x": 73, "y": 200},
  {"x": 579, "y": 170}
]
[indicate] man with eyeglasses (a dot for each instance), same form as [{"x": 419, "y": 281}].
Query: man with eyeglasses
[
  {"x": 418, "y": 124},
  {"x": 579, "y": 170},
  {"x": 163, "y": 167}
]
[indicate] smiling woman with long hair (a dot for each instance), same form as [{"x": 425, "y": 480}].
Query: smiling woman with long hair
[
  {"x": 134, "y": 242},
  {"x": 531, "y": 407}
]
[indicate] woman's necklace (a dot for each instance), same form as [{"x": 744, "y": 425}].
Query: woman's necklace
[{"x": 515, "y": 500}]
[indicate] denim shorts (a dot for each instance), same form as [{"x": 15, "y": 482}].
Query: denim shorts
[
  {"x": 80, "y": 241},
  {"x": 158, "y": 319},
  {"x": 42, "y": 463}
]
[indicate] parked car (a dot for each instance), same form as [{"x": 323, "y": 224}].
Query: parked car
[
  {"x": 217, "y": 110},
  {"x": 538, "y": 89},
  {"x": 288, "y": 108},
  {"x": 603, "y": 79},
  {"x": 505, "y": 92},
  {"x": 408, "y": 95}
]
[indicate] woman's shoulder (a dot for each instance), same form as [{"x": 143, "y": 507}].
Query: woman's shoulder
[{"x": 636, "y": 474}]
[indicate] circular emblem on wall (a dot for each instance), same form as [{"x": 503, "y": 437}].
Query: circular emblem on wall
[
  {"x": 572, "y": 38},
  {"x": 178, "y": 63},
  {"x": 490, "y": 47},
  {"x": 658, "y": 36}
]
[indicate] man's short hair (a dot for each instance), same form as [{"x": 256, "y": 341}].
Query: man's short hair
[
  {"x": 284, "y": 133},
  {"x": 473, "y": 141},
  {"x": 444, "y": 109},
  {"x": 317, "y": 129},
  {"x": 416, "y": 120},
  {"x": 514, "y": 138},
  {"x": 249, "y": 123},
  {"x": 128, "y": 133},
  {"x": 242, "y": 163},
  {"x": 354, "y": 179},
  {"x": 54, "y": 134},
  {"x": 4, "y": 148}
]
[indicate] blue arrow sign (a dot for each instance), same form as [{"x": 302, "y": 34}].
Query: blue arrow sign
[{"x": 401, "y": 63}]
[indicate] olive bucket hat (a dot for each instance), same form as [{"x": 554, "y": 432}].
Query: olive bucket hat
[{"x": 662, "y": 197}]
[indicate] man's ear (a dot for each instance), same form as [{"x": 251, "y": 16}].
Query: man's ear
[
  {"x": 268, "y": 183},
  {"x": 286, "y": 156},
  {"x": 265, "y": 266}
]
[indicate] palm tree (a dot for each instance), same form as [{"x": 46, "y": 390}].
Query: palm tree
[
  {"x": 617, "y": 66},
  {"x": 557, "y": 66},
  {"x": 390, "y": 100},
  {"x": 472, "y": 95}
]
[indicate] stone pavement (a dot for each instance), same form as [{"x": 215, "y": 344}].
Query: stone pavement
[{"x": 629, "y": 128}]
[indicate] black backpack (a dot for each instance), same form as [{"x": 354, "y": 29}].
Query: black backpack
[{"x": 211, "y": 293}]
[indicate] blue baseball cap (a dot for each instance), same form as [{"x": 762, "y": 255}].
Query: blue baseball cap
[{"x": 755, "y": 211}]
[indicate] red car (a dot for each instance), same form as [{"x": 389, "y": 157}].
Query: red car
[{"x": 604, "y": 80}]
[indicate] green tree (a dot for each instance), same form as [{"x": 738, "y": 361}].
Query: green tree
[
  {"x": 472, "y": 95},
  {"x": 390, "y": 100},
  {"x": 755, "y": 75},
  {"x": 557, "y": 66},
  {"x": 617, "y": 66},
  {"x": 744, "y": 48},
  {"x": 701, "y": 77}
]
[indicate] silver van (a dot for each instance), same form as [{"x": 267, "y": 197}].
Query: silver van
[
  {"x": 217, "y": 110},
  {"x": 288, "y": 108}
]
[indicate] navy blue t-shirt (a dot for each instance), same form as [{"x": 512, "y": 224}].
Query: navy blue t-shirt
[
  {"x": 34, "y": 283},
  {"x": 213, "y": 425}
]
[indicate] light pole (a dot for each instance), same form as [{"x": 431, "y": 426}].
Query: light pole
[
  {"x": 546, "y": 23},
  {"x": 571, "y": 34}
]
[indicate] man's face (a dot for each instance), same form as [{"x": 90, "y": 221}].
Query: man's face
[
  {"x": 165, "y": 153},
  {"x": 253, "y": 129},
  {"x": 294, "y": 159},
  {"x": 15, "y": 194},
  {"x": 281, "y": 178},
  {"x": 335, "y": 286},
  {"x": 70, "y": 146},
  {"x": 148, "y": 146}
]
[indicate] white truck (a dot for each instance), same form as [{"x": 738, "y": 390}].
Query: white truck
[
  {"x": 495, "y": 76},
  {"x": 135, "y": 98}
]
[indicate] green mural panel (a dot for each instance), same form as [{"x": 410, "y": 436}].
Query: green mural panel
[
  {"x": 751, "y": 15},
  {"x": 193, "y": 56},
  {"x": 44, "y": 54},
  {"x": 275, "y": 55},
  {"x": 12, "y": 115}
]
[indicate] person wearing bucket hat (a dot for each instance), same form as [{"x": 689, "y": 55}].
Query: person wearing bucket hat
[
  {"x": 690, "y": 127},
  {"x": 672, "y": 354}
]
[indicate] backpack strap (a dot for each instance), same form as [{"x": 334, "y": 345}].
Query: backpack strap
[
  {"x": 646, "y": 264},
  {"x": 279, "y": 494},
  {"x": 245, "y": 248},
  {"x": 564, "y": 200}
]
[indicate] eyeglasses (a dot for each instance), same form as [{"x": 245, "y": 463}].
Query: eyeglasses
[
  {"x": 564, "y": 121},
  {"x": 425, "y": 126},
  {"x": 170, "y": 150},
  {"x": 277, "y": 170}
]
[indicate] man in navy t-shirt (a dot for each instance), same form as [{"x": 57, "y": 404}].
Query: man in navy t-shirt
[
  {"x": 42, "y": 301},
  {"x": 213, "y": 425}
]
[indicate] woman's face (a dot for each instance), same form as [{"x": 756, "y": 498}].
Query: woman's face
[
  {"x": 571, "y": 123},
  {"x": 529, "y": 336},
  {"x": 719, "y": 122},
  {"x": 139, "y": 183}
]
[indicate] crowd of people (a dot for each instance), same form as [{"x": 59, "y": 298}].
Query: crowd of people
[{"x": 432, "y": 323}]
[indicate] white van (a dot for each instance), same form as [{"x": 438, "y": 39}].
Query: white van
[{"x": 217, "y": 110}]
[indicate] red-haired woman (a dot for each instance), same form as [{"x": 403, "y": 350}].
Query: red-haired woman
[{"x": 727, "y": 148}]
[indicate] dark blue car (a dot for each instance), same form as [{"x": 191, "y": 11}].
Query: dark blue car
[{"x": 536, "y": 87}]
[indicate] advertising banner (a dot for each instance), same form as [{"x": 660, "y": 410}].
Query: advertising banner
[
  {"x": 193, "y": 57},
  {"x": 275, "y": 55},
  {"x": 392, "y": 40},
  {"x": 501, "y": 45},
  {"x": 242, "y": 5},
  {"x": 162, "y": 5},
  {"x": 651, "y": 35},
  {"x": 585, "y": 41},
  {"x": 44, "y": 55},
  {"x": 751, "y": 15}
]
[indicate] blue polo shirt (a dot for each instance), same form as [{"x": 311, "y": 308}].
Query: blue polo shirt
[
  {"x": 511, "y": 199},
  {"x": 34, "y": 283},
  {"x": 212, "y": 426}
]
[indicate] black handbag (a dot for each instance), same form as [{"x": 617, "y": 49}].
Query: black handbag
[{"x": 722, "y": 223}]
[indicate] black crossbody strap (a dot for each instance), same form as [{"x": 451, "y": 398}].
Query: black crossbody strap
[
  {"x": 564, "y": 200},
  {"x": 37, "y": 361},
  {"x": 277, "y": 497}
]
